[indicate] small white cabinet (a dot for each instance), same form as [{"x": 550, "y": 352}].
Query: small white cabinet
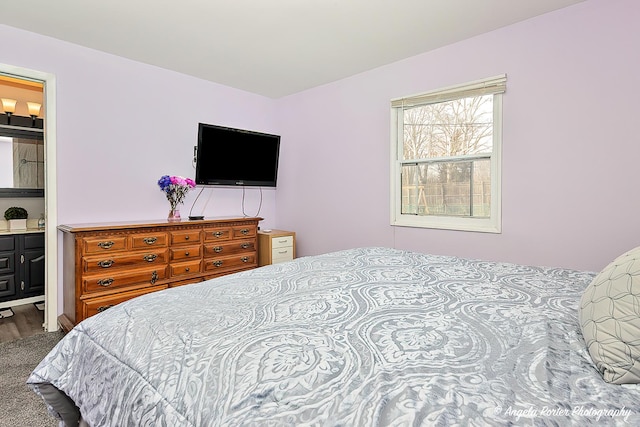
[{"x": 276, "y": 246}]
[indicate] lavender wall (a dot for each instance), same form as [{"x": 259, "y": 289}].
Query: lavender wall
[
  {"x": 570, "y": 144},
  {"x": 122, "y": 124}
]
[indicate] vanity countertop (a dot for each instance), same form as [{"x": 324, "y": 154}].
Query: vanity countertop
[
  {"x": 27, "y": 231},
  {"x": 32, "y": 227}
]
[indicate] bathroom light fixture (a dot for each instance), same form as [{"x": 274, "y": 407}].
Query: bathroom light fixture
[
  {"x": 34, "y": 111},
  {"x": 9, "y": 106}
]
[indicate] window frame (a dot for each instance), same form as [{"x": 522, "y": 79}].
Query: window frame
[{"x": 492, "y": 224}]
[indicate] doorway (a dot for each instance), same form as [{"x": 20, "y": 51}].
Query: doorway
[{"x": 50, "y": 206}]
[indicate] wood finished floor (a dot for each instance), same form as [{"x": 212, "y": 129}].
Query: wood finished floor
[{"x": 26, "y": 321}]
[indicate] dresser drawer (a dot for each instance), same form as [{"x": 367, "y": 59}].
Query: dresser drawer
[
  {"x": 185, "y": 268},
  {"x": 143, "y": 241},
  {"x": 282, "y": 242},
  {"x": 223, "y": 264},
  {"x": 8, "y": 286},
  {"x": 92, "y": 306},
  {"x": 185, "y": 237},
  {"x": 104, "y": 263},
  {"x": 92, "y": 245},
  {"x": 184, "y": 253},
  {"x": 114, "y": 279},
  {"x": 34, "y": 241},
  {"x": 241, "y": 232},
  {"x": 8, "y": 263},
  {"x": 229, "y": 248},
  {"x": 281, "y": 254},
  {"x": 216, "y": 234},
  {"x": 7, "y": 243}
]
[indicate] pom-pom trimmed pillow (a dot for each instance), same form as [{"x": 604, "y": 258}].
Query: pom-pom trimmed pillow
[{"x": 609, "y": 316}]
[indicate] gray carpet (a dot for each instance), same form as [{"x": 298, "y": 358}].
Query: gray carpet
[{"x": 19, "y": 406}]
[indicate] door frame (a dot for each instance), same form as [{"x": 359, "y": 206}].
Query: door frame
[{"x": 50, "y": 187}]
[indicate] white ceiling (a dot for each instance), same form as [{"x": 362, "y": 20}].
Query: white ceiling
[{"x": 269, "y": 47}]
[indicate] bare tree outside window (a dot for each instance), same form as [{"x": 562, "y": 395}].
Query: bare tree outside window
[{"x": 446, "y": 152}]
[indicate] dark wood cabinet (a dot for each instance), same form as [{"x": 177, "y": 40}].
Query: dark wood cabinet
[{"x": 22, "y": 266}]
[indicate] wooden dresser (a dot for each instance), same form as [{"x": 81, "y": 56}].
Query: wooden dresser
[{"x": 106, "y": 264}]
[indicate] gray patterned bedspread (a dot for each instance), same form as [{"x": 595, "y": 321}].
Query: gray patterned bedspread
[{"x": 362, "y": 337}]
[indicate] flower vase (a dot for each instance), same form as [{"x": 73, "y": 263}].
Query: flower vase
[{"x": 174, "y": 215}]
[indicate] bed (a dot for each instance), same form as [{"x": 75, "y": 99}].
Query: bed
[{"x": 361, "y": 337}]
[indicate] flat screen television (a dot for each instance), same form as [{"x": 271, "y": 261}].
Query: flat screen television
[{"x": 238, "y": 157}]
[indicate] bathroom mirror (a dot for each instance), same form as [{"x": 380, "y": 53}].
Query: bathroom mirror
[{"x": 21, "y": 162}]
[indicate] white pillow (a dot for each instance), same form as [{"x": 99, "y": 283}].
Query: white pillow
[{"x": 609, "y": 315}]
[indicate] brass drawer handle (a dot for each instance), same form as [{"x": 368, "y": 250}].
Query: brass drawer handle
[
  {"x": 186, "y": 253},
  {"x": 150, "y": 257},
  {"x": 104, "y": 307},
  {"x": 186, "y": 269},
  {"x": 105, "y": 282},
  {"x": 217, "y": 263},
  {"x": 154, "y": 277},
  {"x": 105, "y": 263},
  {"x": 218, "y": 249},
  {"x": 244, "y": 231},
  {"x": 245, "y": 259},
  {"x": 106, "y": 245},
  {"x": 218, "y": 234},
  {"x": 150, "y": 240},
  {"x": 186, "y": 237},
  {"x": 245, "y": 245}
]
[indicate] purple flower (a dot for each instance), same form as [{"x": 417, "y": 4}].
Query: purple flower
[{"x": 175, "y": 188}]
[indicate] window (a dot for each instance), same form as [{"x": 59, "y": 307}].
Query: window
[{"x": 445, "y": 162}]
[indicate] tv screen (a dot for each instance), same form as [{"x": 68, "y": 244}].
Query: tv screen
[{"x": 227, "y": 156}]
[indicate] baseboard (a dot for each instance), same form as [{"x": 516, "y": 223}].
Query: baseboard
[{"x": 22, "y": 301}]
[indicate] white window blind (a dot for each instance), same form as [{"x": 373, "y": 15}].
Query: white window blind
[{"x": 492, "y": 85}]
